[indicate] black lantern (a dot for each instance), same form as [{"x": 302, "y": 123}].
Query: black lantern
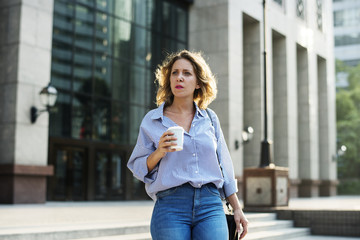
[{"x": 48, "y": 97}]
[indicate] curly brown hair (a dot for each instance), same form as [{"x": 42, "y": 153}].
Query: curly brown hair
[{"x": 202, "y": 96}]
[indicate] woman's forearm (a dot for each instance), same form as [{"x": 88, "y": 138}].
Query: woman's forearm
[
  {"x": 234, "y": 201},
  {"x": 153, "y": 159}
]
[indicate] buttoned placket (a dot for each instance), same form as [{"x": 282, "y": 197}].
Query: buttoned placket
[{"x": 192, "y": 134}]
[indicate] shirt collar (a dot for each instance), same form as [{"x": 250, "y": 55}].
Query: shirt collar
[{"x": 159, "y": 112}]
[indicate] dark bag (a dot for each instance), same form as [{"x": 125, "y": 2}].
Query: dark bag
[{"x": 233, "y": 235}]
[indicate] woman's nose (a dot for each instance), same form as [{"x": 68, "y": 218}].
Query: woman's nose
[{"x": 180, "y": 78}]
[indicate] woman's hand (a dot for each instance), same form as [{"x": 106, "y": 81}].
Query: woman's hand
[
  {"x": 240, "y": 219},
  {"x": 239, "y": 216},
  {"x": 165, "y": 142}
]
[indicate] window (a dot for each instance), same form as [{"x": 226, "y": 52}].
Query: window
[
  {"x": 351, "y": 39},
  {"x": 280, "y": 2},
  {"x": 300, "y": 9},
  {"x": 319, "y": 13},
  {"x": 104, "y": 54},
  {"x": 347, "y": 18}
]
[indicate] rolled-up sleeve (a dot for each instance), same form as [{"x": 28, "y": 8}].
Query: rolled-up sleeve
[
  {"x": 137, "y": 162},
  {"x": 230, "y": 183}
]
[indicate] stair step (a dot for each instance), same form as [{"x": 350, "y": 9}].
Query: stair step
[
  {"x": 138, "y": 236},
  {"x": 278, "y": 234},
  {"x": 257, "y": 217},
  {"x": 269, "y": 225},
  {"x": 74, "y": 231}
]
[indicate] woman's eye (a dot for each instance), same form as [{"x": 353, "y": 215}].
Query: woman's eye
[{"x": 187, "y": 73}]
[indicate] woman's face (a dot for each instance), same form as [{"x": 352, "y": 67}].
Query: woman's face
[{"x": 183, "y": 81}]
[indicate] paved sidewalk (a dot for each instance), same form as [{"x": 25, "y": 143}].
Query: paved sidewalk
[{"x": 17, "y": 218}]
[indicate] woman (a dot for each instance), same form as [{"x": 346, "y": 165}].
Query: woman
[{"x": 186, "y": 184}]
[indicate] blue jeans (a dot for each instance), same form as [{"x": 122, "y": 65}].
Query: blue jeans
[{"x": 188, "y": 213}]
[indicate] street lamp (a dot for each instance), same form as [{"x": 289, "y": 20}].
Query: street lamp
[
  {"x": 48, "y": 97},
  {"x": 340, "y": 152},
  {"x": 265, "y": 156},
  {"x": 246, "y": 136}
]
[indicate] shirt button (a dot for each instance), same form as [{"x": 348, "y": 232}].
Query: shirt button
[
  {"x": 199, "y": 185},
  {"x": 193, "y": 125},
  {"x": 194, "y": 154},
  {"x": 192, "y": 138},
  {"x": 196, "y": 171}
]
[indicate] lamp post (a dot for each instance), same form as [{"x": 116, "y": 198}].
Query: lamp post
[
  {"x": 48, "y": 97},
  {"x": 265, "y": 186},
  {"x": 265, "y": 156}
]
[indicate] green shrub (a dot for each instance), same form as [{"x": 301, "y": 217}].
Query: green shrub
[{"x": 349, "y": 187}]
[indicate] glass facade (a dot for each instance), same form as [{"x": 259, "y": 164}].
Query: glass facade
[
  {"x": 104, "y": 54},
  {"x": 347, "y": 17},
  {"x": 348, "y": 39},
  {"x": 103, "y": 58}
]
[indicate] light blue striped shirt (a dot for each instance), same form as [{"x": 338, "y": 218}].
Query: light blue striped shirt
[{"x": 196, "y": 164}]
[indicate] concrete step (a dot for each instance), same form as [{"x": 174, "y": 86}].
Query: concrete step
[
  {"x": 262, "y": 226},
  {"x": 278, "y": 234},
  {"x": 74, "y": 231},
  {"x": 270, "y": 225},
  {"x": 138, "y": 236},
  {"x": 260, "y": 217},
  {"x": 325, "y": 238}
]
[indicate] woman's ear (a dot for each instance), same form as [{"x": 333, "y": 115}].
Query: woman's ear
[{"x": 197, "y": 85}]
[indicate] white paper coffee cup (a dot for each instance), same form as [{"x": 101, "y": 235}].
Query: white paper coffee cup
[{"x": 179, "y": 134}]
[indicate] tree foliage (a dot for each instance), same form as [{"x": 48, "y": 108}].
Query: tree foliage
[{"x": 348, "y": 127}]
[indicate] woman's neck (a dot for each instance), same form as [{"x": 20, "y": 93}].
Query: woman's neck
[{"x": 181, "y": 106}]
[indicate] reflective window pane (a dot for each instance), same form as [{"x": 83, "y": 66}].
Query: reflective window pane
[
  {"x": 122, "y": 39},
  {"x": 140, "y": 11},
  {"x": 61, "y": 67},
  {"x": 116, "y": 175},
  {"x": 78, "y": 168},
  {"x": 90, "y": 3},
  {"x": 60, "y": 174},
  {"x": 123, "y": 9},
  {"x": 101, "y": 172},
  {"x": 181, "y": 24},
  {"x": 102, "y": 78},
  {"x": 60, "y": 120},
  {"x": 84, "y": 23},
  {"x": 119, "y": 122},
  {"x": 82, "y": 71},
  {"x": 101, "y": 120},
  {"x": 138, "y": 85},
  {"x": 120, "y": 80},
  {"x": 81, "y": 117},
  {"x": 105, "y": 5},
  {"x": 136, "y": 116},
  {"x": 103, "y": 33},
  {"x": 141, "y": 46},
  {"x": 169, "y": 20}
]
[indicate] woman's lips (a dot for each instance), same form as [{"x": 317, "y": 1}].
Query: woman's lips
[{"x": 179, "y": 87}]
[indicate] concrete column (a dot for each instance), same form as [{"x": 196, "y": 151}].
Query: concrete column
[
  {"x": 208, "y": 33},
  {"x": 253, "y": 109},
  {"x": 236, "y": 103},
  {"x": 307, "y": 133},
  {"x": 280, "y": 101},
  {"x": 327, "y": 163},
  {"x": 25, "y": 61},
  {"x": 292, "y": 109}
]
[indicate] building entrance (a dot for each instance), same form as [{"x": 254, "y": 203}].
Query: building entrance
[
  {"x": 89, "y": 170},
  {"x": 69, "y": 180}
]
